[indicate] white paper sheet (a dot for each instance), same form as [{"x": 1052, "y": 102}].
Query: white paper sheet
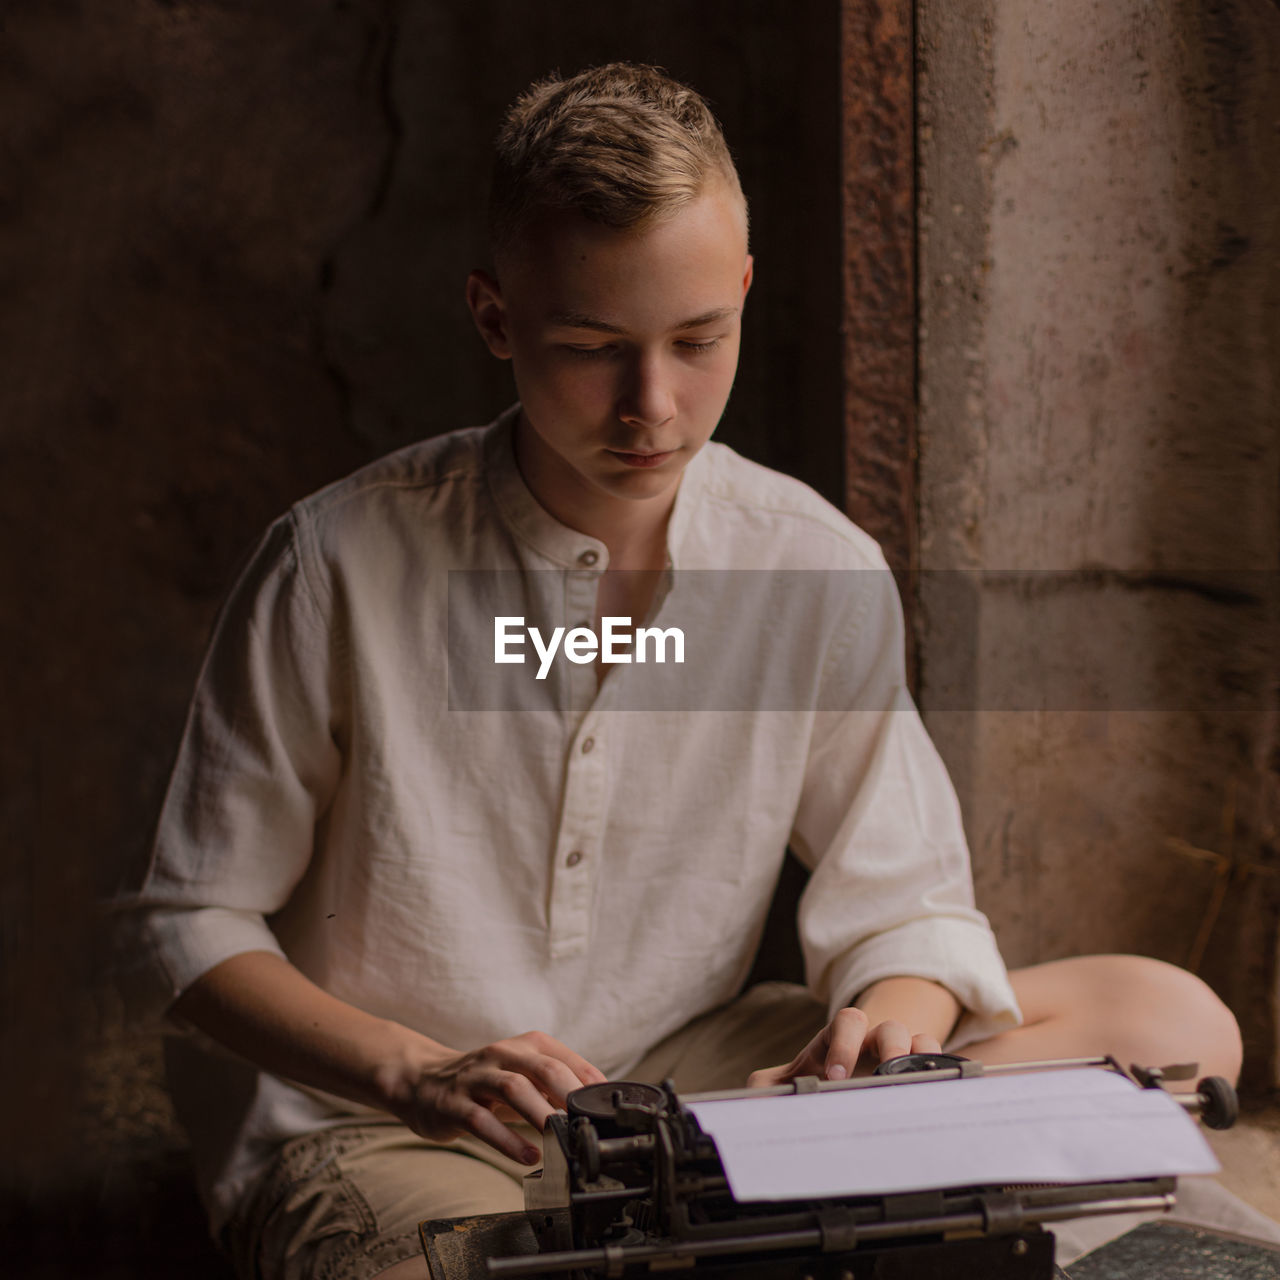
[{"x": 1078, "y": 1125}]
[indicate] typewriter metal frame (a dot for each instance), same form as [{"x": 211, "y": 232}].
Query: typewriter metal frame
[{"x": 635, "y": 1186}]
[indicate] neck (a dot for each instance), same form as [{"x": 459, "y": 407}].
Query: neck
[
  {"x": 634, "y": 530},
  {"x": 637, "y": 539}
]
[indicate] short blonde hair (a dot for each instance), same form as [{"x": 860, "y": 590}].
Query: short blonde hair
[{"x": 621, "y": 144}]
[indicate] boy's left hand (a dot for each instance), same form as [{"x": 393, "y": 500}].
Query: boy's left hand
[{"x": 849, "y": 1038}]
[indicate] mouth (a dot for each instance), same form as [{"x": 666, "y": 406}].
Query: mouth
[{"x": 642, "y": 459}]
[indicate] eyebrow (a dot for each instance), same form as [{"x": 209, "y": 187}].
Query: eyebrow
[{"x": 577, "y": 320}]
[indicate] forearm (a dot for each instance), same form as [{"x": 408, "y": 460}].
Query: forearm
[
  {"x": 263, "y": 1008},
  {"x": 923, "y": 1007},
  {"x": 260, "y": 1006}
]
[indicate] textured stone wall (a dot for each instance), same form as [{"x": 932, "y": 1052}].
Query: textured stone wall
[
  {"x": 173, "y": 179},
  {"x": 233, "y": 239},
  {"x": 1100, "y": 284}
]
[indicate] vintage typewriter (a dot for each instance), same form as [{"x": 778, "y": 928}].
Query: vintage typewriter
[{"x": 631, "y": 1184}]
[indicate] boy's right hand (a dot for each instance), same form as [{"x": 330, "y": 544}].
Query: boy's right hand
[
  {"x": 526, "y": 1077},
  {"x": 261, "y": 1007}
]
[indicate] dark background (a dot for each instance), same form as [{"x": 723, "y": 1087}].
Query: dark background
[{"x": 233, "y": 242}]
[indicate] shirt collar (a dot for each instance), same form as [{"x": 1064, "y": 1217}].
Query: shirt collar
[{"x": 531, "y": 522}]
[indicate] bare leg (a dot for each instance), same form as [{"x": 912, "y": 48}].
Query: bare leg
[{"x": 1136, "y": 1008}]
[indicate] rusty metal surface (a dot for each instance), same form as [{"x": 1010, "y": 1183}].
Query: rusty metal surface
[
  {"x": 878, "y": 215},
  {"x": 456, "y": 1248},
  {"x": 878, "y": 219}
]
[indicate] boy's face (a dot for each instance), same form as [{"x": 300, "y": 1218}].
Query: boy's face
[{"x": 624, "y": 346}]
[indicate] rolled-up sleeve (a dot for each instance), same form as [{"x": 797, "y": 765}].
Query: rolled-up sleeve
[
  {"x": 256, "y": 769},
  {"x": 879, "y": 826}
]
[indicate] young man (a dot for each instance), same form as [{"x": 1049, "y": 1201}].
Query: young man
[{"x": 473, "y": 912}]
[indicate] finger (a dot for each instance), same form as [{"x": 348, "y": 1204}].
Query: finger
[
  {"x": 515, "y": 1091},
  {"x": 554, "y": 1048},
  {"x": 488, "y": 1128},
  {"x": 580, "y": 1067},
  {"x": 557, "y": 1068},
  {"x": 925, "y": 1044},
  {"x": 553, "y": 1079},
  {"x": 810, "y": 1061},
  {"x": 889, "y": 1040},
  {"x": 847, "y": 1032}
]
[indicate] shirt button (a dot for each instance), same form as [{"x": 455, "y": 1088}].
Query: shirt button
[
  {"x": 588, "y": 745},
  {"x": 573, "y": 859},
  {"x": 589, "y": 558}
]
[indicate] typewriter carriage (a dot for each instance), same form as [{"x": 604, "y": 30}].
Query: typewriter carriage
[{"x": 631, "y": 1184}]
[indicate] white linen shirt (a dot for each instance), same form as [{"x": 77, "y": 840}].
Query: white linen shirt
[{"x": 573, "y": 865}]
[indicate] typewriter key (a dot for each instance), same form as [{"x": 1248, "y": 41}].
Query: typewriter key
[
  {"x": 600, "y": 1102},
  {"x": 909, "y": 1062}
]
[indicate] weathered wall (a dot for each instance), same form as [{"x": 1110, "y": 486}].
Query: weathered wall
[
  {"x": 231, "y": 243},
  {"x": 233, "y": 239},
  {"x": 1100, "y": 232},
  {"x": 402, "y": 343}
]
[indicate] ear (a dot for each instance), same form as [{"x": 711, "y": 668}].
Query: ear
[
  {"x": 484, "y": 297},
  {"x": 747, "y": 276}
]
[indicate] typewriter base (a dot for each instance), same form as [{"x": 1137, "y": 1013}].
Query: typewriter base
[{"x": 456, "y": 1249}]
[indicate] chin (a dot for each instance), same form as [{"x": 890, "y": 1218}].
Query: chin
[{"x": 639, "y": 485}]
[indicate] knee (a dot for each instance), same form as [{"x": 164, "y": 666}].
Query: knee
[{"x": 1184, "y": 1011}]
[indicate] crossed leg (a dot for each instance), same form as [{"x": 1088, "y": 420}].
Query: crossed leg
[{"x": 1138, "y": 1009}]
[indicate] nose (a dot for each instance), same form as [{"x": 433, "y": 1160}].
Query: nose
[{"x": 646, "y": 398}]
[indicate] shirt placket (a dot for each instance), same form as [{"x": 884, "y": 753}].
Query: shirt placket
[{"x": 578, "y": 840}]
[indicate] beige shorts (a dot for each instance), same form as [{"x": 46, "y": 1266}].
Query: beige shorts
[{"x": 344, "y": 1203}]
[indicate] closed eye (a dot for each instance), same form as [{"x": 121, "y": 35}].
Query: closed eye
[
  {"x": 590, "y": 353},
  {"x": 597, "y": 351}
]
